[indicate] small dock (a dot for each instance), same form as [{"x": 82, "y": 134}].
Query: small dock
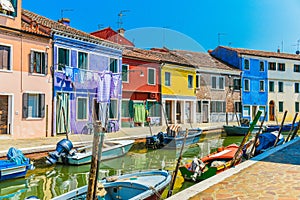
[{"x": 274, "y": 174}]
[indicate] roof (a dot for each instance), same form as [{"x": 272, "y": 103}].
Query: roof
[
  {"x": 111, "y": 35},
  {"x": 200, "y": 59},
  {"x": 142, "y": 54},
  {"x": 260, "y": 53},
  {"x": 59, "y": 28}
]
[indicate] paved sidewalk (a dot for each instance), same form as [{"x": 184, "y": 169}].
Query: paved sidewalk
[
  {"x": 32, "y": 145},
  {"x": 273, "y": 175}
]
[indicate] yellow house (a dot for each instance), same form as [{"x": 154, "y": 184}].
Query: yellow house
[
  {"x": 25, "y": 76},
  {"x": 178, "y": 87}
]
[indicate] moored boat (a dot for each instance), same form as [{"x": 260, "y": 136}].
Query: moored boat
[
  {"x": 135, "y": 186},
  {"x": 238, "y": 130},
  {"x": 285, "y": 127},
  {"x": 66, "y": 154},
  {"x": 173, "y": 138},
  {"x": 15, "y": 166},
  {"x": 209, "y": 165}
]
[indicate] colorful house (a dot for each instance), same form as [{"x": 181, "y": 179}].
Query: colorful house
[
  {"x": 25, "y": 77},
  {"x": 141, "y": 88},
  {"x": 270, "y": 81},
  {"x": 217, "y": 88},
  {"x": 86, "y": 78}
]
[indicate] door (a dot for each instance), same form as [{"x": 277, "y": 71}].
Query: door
[
  {"x": 62, "y": 113},
  {"x": 254, "y": 111},
  {"x": 169, "y": 111},
  {"x": 205, "y": 112},
  {"x": 4, "y": 126},
  {"x": 178, "y": 112},
  {"x": 271, "y": 111}
]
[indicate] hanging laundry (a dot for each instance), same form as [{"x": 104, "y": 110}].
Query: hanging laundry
[
  {"x": 104, "y": 84},
  {"x": 76, "y": 75},
  {"x": 115, "y": 85},
  {"x": 69, "y": 72},
  {"x": 139, "y": 113}
]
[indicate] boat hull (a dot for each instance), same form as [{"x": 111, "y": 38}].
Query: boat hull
[
  {"x": 118, "y": 149},
  {"x": 9, "y": 170},
  {"x": 140, "y": 185},
  {"x": 238, "y": 130}
]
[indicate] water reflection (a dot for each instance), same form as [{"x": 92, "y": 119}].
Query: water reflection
[{"x": 48, "y": 182}]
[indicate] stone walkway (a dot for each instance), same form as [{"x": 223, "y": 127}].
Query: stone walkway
[{"x": 273, "y": 175}]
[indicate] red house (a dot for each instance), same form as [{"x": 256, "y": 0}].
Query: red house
[{"x": 113, "y": 36}]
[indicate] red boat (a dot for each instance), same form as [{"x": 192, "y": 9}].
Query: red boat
[{"x": 212, "y": 164}]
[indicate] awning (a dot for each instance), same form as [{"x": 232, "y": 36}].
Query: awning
[{"x": 6, "y": 5}]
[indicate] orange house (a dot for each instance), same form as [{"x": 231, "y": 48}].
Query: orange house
[{"x": 25, "y": 77}]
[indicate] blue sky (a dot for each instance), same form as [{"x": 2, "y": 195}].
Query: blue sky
[{"x": 190, "y": 25}]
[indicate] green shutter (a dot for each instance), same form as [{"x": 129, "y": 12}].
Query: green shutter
[
  {"x": 41, "y": 105},
  {"x": 31, "y": 61},
  {"x": 25, "y": 105},
  {"x": 46, "y": 63}
]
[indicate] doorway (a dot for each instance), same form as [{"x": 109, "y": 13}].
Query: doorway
[
  {"x": 205, "y": 112},
  {"x": 4, "y": 114},
  {"x": 272, "y": 111},
  {"x": 169, "y": 111}
]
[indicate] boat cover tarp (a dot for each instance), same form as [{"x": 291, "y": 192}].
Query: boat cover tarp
[{"x": 15, "y": 155}]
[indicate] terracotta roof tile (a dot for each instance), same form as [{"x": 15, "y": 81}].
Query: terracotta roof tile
[{"x": 260, "y": 53}]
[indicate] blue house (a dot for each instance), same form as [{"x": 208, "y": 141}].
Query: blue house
[
  {"x": 86, "y": 78},
  {"x": 254, "y": 78}
]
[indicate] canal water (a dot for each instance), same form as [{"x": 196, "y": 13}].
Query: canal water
[{"x": 47, "y": 182}]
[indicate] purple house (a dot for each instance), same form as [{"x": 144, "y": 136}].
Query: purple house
[{"x": 86, "y": 79}]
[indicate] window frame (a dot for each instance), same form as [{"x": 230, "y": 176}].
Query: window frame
[
  {"x": 280, "y": 106},
  {"x": 125, "y": 73},
  {"x": 297, "y": 106},
  {"x": 10, "y": 13},
  {"x": 44, "y": 62},
  {"x": 149, "y": 74},
  {"x": 281, "y": 67},
  {"x": 273, "y": 86},
  {"x": 236, "y": 84},
  {"x": 9, "y": 60},
  {"x": 115, "y": 117},
  {"x": 297, "y": 88},
  {"x": 261, "y": 66},
  {"x": 272, "y": 66},
  {"x": 297, "y": 68},
  {"x": 280, "y": 87},
  {"x": 219, "y": 82},
  {"x": 246, "y": 89},
  {"x": 87, "y": 108},
  {"x": 40, "y": 105},
  {"x": 167, "y": 79},
  {"x": 246, "y": 65},
  {"x": 190, "y": 81},
  {"x": 198, "y": 79},
  {"x": 87, "y": 60},
  {"x": 218, "y": 106},
  {"x": 261, "y": 85},
  {"x": 113, "y": 65},
  {"x": 61, "y": 66}
]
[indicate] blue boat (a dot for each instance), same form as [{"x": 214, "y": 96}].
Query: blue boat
[
  {"x": 174, "y": 138},
  {"x": 135, "y": 186},
  {"x": 285, "y": 127},
  {"x": 15, "y": 166},
  {"x": 66, "y": 154}
]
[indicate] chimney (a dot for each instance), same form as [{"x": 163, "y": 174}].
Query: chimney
[
  {"x": 278, "y": 50},
  {"x": 65, "y": 21},
  {"x": 121, "y": 31}
]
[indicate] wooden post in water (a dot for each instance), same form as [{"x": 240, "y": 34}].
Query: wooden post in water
[
  {"x": 236, "y": 156},
  {"x": 226, "y": 118},
  {"x": 280, "y": 129},
  {"x": 93, "y": 170},
  {"x": 257, "y": 134},
  {"x": 295, "y": 131},
  {"x": 292, "y": 128},
  {"x": 177, "y": 166}
]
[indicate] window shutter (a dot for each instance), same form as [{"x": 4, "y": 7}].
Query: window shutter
[
  {"x": 14, "y": 4},
  {"x": 25, "y": 105},
  {"x": 46, "y": 63},
  {"x": 31, "y": 61},
  {"x": 42, "y": 105}
]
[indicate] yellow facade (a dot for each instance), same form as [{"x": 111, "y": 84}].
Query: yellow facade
[{"x": 178, "y": 80}]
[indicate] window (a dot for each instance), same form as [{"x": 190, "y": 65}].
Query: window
[
  {"x": 154, "y": 108},
  {"x": 261, "y": 66},
  {"x": 217, "y": 82},
  {"x": 238, "y": 107},
  {"x": 198, "y": 81},
  {"x": 113, "y": 65},
  {"x": 281, "y": 67},
  {"x": 82, "y": 108},
  {"x": 297, "y": 107},
  {"x": 125, "y": 108},
  {"x": 33, "y": 105},
  {"x": 113, "y": 109},
  {"x": 280, "y": 86},
  {"x": 272, "y": 66},
  {"x": 246, "y": 64},
  {"x": 297, "y": 88},
  {"x": 280, "y": 104},
  {"x": 198, "y": 107},
  {"x": 63, "y": 58},
  {"x": 38, "y": 62},
  {"x": 218, "y": 106},
  {"x": 271, "y": 86},
  {"x": 5, "y": 53},
  {"x": 261, "y": 86},
  {"x": 190, "y": 81},
  {"x": 10, "y": 8},
  {"x": 151, "y": 76},
  {"x": 296, "y": 68},
  {"x": 125, "y": 73},
  {"x": 82, "y": 60},
  {"x": 246, "y": 85},
  {"x": 167, "y": 78},
  {"x": 236, "y": 84},
  {"x": 246, "y": 111},
  {"x": 263, "y": 110}
]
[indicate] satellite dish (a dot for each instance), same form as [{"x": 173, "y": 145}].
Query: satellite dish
[{"x": 297, "y": 52}]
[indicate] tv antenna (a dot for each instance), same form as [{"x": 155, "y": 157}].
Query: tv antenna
[
  {"x": 219, "y": 38},
  {"x": 64, "y": 10},
  {"x": 298, "y": 43},
  {"x": 120, "y": 15}
]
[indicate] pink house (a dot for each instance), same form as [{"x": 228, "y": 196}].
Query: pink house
[{"x": 25, "y": 76}]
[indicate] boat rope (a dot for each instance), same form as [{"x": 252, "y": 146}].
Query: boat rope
[{"x": 155, "y": 192}]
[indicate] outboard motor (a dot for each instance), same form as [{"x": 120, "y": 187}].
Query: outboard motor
[{"x": 63, "y": 146}]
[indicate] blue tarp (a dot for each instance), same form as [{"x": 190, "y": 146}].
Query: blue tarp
[{"x": 15, "y": 155}]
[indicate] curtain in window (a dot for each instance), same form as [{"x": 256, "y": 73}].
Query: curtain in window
[
  {"x": 4, "y": 57},
  {"x": 62, "y": 103},
  {"x": 139, "y": 113}
]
